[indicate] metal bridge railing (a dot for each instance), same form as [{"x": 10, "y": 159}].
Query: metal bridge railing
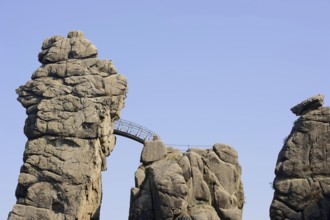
[{"x": 133, "y": 131}]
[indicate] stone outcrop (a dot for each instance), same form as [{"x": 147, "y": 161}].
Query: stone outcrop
[
  {"x": 310, "y": 104},
  {"x": 302, "y": 183},
  {"x": 71, "y": 103},
  {"x": 193, "y": 185}
]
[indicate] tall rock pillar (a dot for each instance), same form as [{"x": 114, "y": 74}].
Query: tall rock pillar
[
  {"x": 302, "y": 183},
  {"x": 71, "y": 103}
]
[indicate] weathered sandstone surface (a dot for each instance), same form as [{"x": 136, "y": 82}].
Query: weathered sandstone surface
[
  {"x": 71, "y": 103},
  {"x": 302, "y": 183},
  {"x": 194, "y": 185}
]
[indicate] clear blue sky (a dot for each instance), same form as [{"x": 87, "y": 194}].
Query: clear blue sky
[{"x": 199, "y": 72}]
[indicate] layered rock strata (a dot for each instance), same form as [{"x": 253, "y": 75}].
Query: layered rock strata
[
  {"x": 302, "y": 183},
  {"x": 193, "y": 185},
  {"x": 71, "y": 103}
]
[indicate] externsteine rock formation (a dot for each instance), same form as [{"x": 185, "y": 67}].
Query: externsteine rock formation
[
  {"x": 200, "y": 184},
  {"x": 71, "y": 103},
  {"x": 302, "y": 183}
]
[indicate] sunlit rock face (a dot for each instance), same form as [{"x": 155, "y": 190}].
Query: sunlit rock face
[
  {"x": 71, "y": 103},
  {"x": 193, "y": 185},
  {"x": 302, "y": 183}
]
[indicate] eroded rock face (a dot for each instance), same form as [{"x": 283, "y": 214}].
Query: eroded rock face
[
  {"x": 302, "y": 183},
  {"x": 71, "y": 103},
  {"x": 198, "y": 184}
]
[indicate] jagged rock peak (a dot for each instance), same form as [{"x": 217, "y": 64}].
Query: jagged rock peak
[
  {"x": 312, "y": 103},
  {"x": 75, "y": 46}
]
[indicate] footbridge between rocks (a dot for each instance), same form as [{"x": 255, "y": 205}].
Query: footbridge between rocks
[{"x": 133, "y": 131}]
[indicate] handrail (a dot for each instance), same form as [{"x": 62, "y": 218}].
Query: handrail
[{"x": 133, "y": 131}]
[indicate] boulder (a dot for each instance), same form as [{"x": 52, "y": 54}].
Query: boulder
[
  {"x": 312, "y": 103},
  {"x": 153, "y": 151}
]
